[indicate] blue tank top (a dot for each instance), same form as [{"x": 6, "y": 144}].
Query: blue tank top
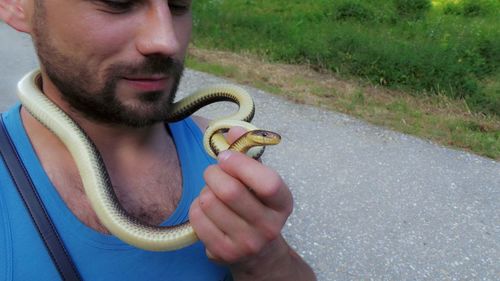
[{"x": 97, "y": 256}]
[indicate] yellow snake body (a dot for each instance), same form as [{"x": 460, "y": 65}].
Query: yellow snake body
[{"x": 95, "y": 178}]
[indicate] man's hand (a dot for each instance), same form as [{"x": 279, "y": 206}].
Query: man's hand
[{"x": 239, "y": 216}]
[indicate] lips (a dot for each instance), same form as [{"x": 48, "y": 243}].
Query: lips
[{"x": 155, "y": 83}]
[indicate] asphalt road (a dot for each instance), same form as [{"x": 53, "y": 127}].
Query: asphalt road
[{"x": 370, "y": 203}]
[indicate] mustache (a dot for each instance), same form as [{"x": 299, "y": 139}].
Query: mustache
[{"x": 152, "y": 65}]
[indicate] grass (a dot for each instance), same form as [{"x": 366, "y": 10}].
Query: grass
[
  {"x": 442, "y": 119},
  {"x": 427, "y": 68},
  {"x": 447, "y": 47}
]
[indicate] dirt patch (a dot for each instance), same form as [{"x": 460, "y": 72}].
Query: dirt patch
[
  {"x": 304, "y": 84},
  {"x": 436, "y": 117}
]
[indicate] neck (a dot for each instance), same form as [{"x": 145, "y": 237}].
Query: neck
[{"x": 120, "y": 148}]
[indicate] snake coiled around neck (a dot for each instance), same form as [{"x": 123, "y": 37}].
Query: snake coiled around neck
[{"x": 96, "y": 181}]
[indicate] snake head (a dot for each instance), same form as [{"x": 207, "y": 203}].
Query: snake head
[
  {"x": 255, "y": 138},
  {"x": 263, "y": 137}
]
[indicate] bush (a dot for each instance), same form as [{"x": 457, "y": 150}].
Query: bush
[
  {"x": 377, "y": 11},
  {"x": 487, "y": 102},
  {"x": 441, "y": 54},
  {"x": 470, "y": 8},
  {"x": 353, "y": 10},
  {"x": 452, "y": 9},
  {"x": 412, "y": 9}
]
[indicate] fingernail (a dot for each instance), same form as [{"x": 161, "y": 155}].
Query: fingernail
[{"x": 224, "y": 155}]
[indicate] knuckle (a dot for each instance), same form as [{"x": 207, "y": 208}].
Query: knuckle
[
  {"x": 209, "y": 171},
  {"x": 222, "y": 249},
  {"x": 195, "y": 213},
  {"x": 271, "y": 230},
  {"x": 273, "y": 185},
  {"x": 229, "y": 254},
  {"x": 231, "y": 258},
  {"x": 289, "y": 209},
  {"x": 256, "y": 217},
  {"x": 251, "y": 246},
  {"x": 207, "y": 200},
  {"x": 230, "y": 193}
]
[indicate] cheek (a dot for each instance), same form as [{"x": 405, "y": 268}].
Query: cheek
[
  {"x": 184, "y": 32},
  {"x": 98, "y": 40},
  {"x": 90, "y": 38}
]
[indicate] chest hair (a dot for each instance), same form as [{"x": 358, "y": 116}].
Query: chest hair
[{"x": 149, "y": 194}]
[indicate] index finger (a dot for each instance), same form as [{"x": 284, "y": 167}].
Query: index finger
[{"x": 267, "y": 185}]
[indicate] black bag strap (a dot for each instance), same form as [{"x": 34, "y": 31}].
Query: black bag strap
[{"x": 33, "y": 203}]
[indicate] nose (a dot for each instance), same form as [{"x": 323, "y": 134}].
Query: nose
[{"x": 157, "y": 34}]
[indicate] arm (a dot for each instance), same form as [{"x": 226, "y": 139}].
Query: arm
[{"x": 239, "y": 216}]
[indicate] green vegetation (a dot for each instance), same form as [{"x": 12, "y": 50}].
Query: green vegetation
[
  {"x": 436, "y": 117},
  {"x": 447, "y": 47}
]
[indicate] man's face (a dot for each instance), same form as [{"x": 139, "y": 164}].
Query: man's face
[{"x": 114, "y": 61}]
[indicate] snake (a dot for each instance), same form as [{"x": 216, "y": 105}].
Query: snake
[{"x": 95, "y": 178}]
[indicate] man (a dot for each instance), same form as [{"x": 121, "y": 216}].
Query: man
[{"x": 114, "y": 66}]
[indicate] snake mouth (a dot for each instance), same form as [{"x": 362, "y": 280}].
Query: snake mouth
[{"x": 263, "y": 137}]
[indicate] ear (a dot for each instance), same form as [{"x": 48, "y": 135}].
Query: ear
[{"x": 14, "y": 13}]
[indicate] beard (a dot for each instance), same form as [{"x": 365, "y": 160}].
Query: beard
[
  {"x": 103, "y": 105},
  {"x": 96, "y": 98}
]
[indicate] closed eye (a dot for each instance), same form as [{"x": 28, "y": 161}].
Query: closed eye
[
  {"x": 179, "y": 7},
  {"x": 119, "y": 6}
]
